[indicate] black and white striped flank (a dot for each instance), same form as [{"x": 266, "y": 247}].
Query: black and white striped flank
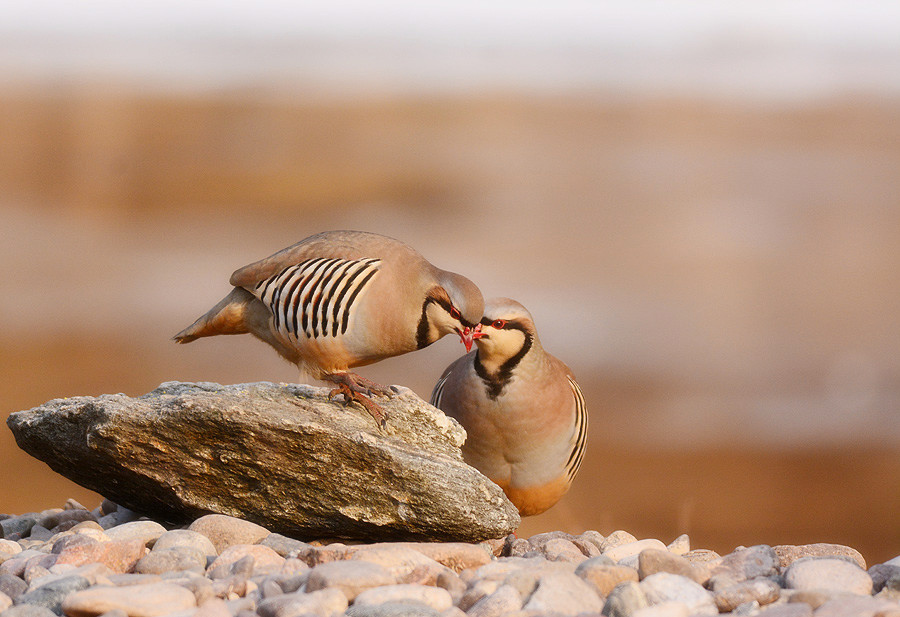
[
  {"x": 580, "y": 432},
  {"x": 315, "y": 298}
]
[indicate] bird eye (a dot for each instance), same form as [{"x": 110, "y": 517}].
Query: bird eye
[
  {"x": 499, "y": 323},
  {"x": 454, "y": 312}
]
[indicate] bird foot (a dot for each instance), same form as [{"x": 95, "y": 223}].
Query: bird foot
[{"x": 359, "y": 389}]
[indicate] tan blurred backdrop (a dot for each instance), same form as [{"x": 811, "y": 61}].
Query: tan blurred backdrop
[{"x": 700, "y": 207}]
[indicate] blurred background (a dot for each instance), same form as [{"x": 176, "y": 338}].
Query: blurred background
[{"x": 699, "y": 202}]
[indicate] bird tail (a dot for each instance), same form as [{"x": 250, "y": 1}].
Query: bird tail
[{"x": 229, "y": 316}]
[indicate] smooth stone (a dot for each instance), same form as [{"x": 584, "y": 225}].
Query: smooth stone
[
  {"x": 5, "y": 602},
  {"x": 503, "y": 600},
  {"x": 594, "y": 537},
  {"x": 224, "y": 531},
  {"x": 560, "y": 549},
  {"x": 605, "y": 577},
  {"x": 150, "y": 600},
  {"x": 703, "y": 556},
  {"x": 186, "y": 538},
  {"x": 477, "y": 591},
  {"x": 664, "y": 609},
  {"x": 789, "y": 553},
  {"x": 454, "y": 585},
  {"x": 791, "y": 609},
  {"x": 94, "y": 572},
  {"x": 457, "y": 556},
  {"x": 392, "y": 609},
  {"x": 323, "y": 602},
  {"x": 73, "y": 540},
  {"x": 760, "y": 590},
  {"x": 264, "y": 560},
  {"x": 12, "y": 585},
  {"x": 624, "y": 600},
  {"x": 632, "y": 549},
  {"x": 284, "y": 545},
  {"x": 653, "y": 560},
  {"x": 17, "y": 526},
  {"x": 882, "y": 574},
  {"x": 588, "y": 549},
  {"x": 52, "y": 594},
  {"x": 118, "y": 555},
  {"x": 616, "y": 538},
  {"x": 8, "y": 549},
  {"x": 564, "y": 594},
  {"x": 432, "y": 597},
  {"x": 665, "y": 587},
  {"x": 146, "y": 531},
  {"x": 404, "y": 564},
  {"x": 858, "y": 606},
  {"x": 744, "y": 564},
  {"x": 351, "y": 577},
  {"x": 171, "y": 559},
  {"x": 213, "y": 607},
  {"x": 830, "y": 574},
  {"x": 680, "y": 545},
  {"x": 28, "y": 610}
]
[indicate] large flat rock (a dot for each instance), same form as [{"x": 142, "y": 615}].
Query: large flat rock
[{"x": 281, "y": 455}]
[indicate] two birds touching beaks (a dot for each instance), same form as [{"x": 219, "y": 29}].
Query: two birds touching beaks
[{"x": 342, "y": 299}]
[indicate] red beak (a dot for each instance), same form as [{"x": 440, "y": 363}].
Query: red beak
[{"x": 467, "y": 336}]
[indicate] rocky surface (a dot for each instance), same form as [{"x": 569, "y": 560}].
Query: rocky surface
[
  {"x": 81, "y": 563},
  {"x": 282, "y": 456}
]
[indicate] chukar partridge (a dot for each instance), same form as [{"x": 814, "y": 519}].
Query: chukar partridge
[
  {"x": 521, "y": 408},
  {"x": 342, "y": 299}
]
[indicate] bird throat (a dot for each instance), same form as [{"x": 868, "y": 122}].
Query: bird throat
[{"x": 496, "y": 381}]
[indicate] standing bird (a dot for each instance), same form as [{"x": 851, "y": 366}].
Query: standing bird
[
  {"x": 521, "y": 408},
  {"x": 342, "y": 299}
]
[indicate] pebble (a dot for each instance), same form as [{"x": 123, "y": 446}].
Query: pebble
[
  {"x": 262, "y": 560},
  {"x": 666, "y": 587},
  {"x": 136, "y": 600},
  {"x": 169, "y": 559},
  {"x": 632, "y": 549},
  {"x": 616, "y": 538},
  {"x": 680, "y": 545},
  {"x": 760, "y": 590},
  {"x": 117, "y": 555},
  {"x": 624, "y": 600},
  {"x": 432, "y": 597},
  {"x": 788, "y": 554},
  {"x": 831, "y": 574},
  {"x": 146, "y": 531},
  {"x": 504, "y": 599},
  {"x": 351, "y": 577},
  {"x": 564, "y": 594},
  {"x": 188, "y": 539},
  {"x": 744, "y": 564},
  {"x": 320, "y": 602},
  {"x": 664, "y": 609},
  {"x": 653, "y": 560},
  {"x": 64, "y": 560},
  {"x": 603, "y": 576},
  {"x": 52, "y": 594},
  {"x": 225, "y": 531}
]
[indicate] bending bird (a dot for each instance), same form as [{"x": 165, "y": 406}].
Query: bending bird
[{"x": 343, "y": 299}]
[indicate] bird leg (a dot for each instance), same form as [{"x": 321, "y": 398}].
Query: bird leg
[{"x": 357, "y": 388}]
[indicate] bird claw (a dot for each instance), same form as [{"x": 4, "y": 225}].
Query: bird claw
[{"x": 358, "y": 389}]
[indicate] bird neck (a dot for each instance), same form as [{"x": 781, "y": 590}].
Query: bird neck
[{"x": 496, "y": 370}]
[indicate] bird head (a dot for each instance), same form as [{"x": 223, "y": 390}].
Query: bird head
[
  {"x": 456, "y": 306},
  {"x": 505, "y": 330}
]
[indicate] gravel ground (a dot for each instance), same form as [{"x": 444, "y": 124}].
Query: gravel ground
[{"x": 109, "y": 561}]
